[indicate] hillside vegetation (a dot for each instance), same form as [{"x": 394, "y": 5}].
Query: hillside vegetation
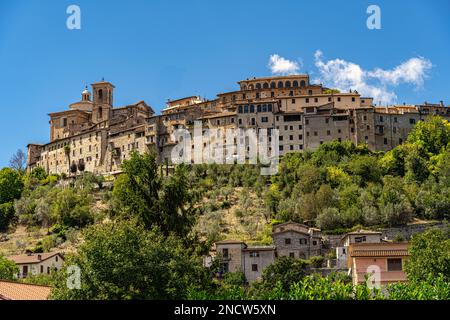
[{"x": 168, "y": 222}]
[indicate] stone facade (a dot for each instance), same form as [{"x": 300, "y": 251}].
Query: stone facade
[
  {"x": 304, "y": 242},
  {"x": 96, "y": 136}
]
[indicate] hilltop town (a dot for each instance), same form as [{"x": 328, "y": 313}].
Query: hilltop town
[{"x": 97, "y": 136}]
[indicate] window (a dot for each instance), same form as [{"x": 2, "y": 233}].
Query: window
[
  {"x": 280, "y": 138},
  {"x": 288, "y": 84},
  {"x": 394, "y": 264},
  {"x": 292, "y": 254},
  {"x": 254, "y": 267},
  {"x": 287, "y": 241},
  {"x": 303, "y": 241},
  {"x": 300, "y": 137},
  {"x": 395, "y": 119},
  {"x": 225, "y": 253},
  {"x": 339, "y": 99},
  {"x": 293, "y": 101},
  {"x": 360, "y": 239},
  {"x": 253, "y": 121},
  {"x": 329, "y": 99},
  {"x": 316, "y": 99},
  {"x": 240, "y": 109},
  {"x": 264, "y": 119},
  {"x": 381, "y": 119},
  {"x": 291, "y": 147},
  {"x": 315, "y": 243},
  {"x": 385, "y": 141},
  {"x": 412, "y": 121},
  {"x": 353, "y": 99},
  {"x": 328, "y": 133},
  {"x": 307, "y": 100},
  {"x": 292, "y": 117},
  {"x": 258, "y": 86},
  {"x": 280, "y": 84},
  {"x": 272, "y": 94},
  {"x": 42, "y": 269},
  {"x": 291, "y": 137},
  {"x": 302, "y": 83},
  {"x": 295, "y": 84},
  {"x": 246, "y": 109},
  {"x": 65, "y": 122},
  {"x": 254, "y": 254},
  {"x": 269, "y": 107},
  {"x": 258, "y": 108},
  {"x": 252, "y": 108},
  {"x": 272, "y": 85}
]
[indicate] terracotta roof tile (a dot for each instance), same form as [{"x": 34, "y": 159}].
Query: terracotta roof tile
[
  {"x": 32, "y": 258},
  {"x": 10, "y": 290}
]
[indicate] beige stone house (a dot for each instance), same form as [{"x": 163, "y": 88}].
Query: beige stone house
[
  {"x": 289, "y": 239},
  {"x": 360, "y": 236},
  {"x": 37, "y": 263}
]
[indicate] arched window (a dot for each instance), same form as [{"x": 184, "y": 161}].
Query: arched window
[
  {"x": 288, "y": 84},
  {"x": 100, "y": 112},
  {"x": 273, "y": 85},
  {"x": 302, "y": 83},
  {"x": 250, "y": 87},
  {"x": 280, "y": 84},
  {"x": 100, "y": 94},
  {"x": 266, "y": 85},
  {"x": 244, "y": 87},
  {"x": 295, "y": 84},
  {"x": 258, "y": 86}
]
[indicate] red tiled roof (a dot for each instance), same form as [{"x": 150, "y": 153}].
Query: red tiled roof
[
  {"x": 379, "y": 253},
  {"x": 33, "y": 258},
  {"x": 10, "y": 290}
]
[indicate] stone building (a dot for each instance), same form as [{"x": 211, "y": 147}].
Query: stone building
[
  {"x": 289, "y": 239},
  {"x": 94, "y": 135}
]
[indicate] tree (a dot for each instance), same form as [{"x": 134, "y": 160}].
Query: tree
[
  {"x": 432, "y": 135},
  {"x": 285, "y": 270},
  {"x": 155, "y": 200},
  {"x": 71, "y": 208},
  {"x": 429, "y": 256},
  {"x": 18, "y": 161},
  {"x": 11, "y": 185},
  {"x": 6, "y": 215},
  {"x": 38, "y": 173},
  {"x": 8, "y": 269},
  {"x": 122, "y": 260}
]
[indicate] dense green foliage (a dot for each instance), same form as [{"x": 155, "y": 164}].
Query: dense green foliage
[
  {"x": 430, "y": 256},
  {"x": 123, "y": 260},
  {"x": 8, "y": 269},
  {"x": 156, "y": 201},
  {"x": 11, "y": 186}
]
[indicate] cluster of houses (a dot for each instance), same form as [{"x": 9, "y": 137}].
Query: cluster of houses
[{"x": 359, "y": 253}]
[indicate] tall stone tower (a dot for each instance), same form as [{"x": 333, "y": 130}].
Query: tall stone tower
[{"x": 103, "y": 101}]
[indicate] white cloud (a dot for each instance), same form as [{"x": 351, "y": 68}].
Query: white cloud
[
  {"x": 412, "y": 71},
  {"x": 345, "y": 75},
  {"x": 280, "y": 65}
]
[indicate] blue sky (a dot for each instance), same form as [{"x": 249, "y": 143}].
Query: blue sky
[{"x": 155, "y": 50}]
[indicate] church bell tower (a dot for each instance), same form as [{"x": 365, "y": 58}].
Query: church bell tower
[{"x": 103, "y": 101}]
